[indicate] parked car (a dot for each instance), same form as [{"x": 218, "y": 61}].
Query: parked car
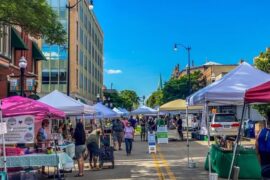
[{"x": 224, "y": 125}]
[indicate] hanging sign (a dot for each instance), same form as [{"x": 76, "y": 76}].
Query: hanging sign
[{"x": 20, "y": 129}]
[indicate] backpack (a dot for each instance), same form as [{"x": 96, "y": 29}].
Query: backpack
[
  {"x": 264, "y": 141},
  {"x": 118, "y": 127}
]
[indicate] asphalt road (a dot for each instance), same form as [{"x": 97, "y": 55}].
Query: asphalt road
[{"x": 170, "y": 162}]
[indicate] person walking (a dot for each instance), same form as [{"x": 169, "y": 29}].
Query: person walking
[
  {"x": 92, "y": 147},
  {"x": 117, "y": 128},
  {"x": 79, "y": 136},
  {"x": 263, "y": 151},
  {"x": 179, "y": 125},
  {"x": 129, "y": 136},
  {"x": 143, "y": 128}
]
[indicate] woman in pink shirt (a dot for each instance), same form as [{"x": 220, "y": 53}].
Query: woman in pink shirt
[{"x": 129, "y": 136}]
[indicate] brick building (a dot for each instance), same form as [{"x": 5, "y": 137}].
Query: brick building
[
  {"x": 13, "y": 45},
  {"x": 211, "y": 71}
]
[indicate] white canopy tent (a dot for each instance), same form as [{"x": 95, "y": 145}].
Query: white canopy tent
[
  {"x": 118, "y": 111},
  {"x": 144, "y": 110},
  {"x": 229, "y": 90},
  {"x": 70, "y": 106},
  {"x": 102, "y": 111}
]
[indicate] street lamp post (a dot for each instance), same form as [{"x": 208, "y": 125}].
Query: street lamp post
[
  {"x": 187, "y": 48},
  {"x": 98, "y": 98},
  {"x": 69, "y": 7},
  {"x": 22, "y": 65}
]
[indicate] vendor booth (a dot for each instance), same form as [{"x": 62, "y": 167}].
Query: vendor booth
[
  {"x": 229, "y": 90},
  {"x": 22, "y": 119}
]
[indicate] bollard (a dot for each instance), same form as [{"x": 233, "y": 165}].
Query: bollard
[{"x": 236, "y": 171}]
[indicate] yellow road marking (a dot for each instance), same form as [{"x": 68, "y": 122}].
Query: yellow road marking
[
  {"x": 166, "y": 165},
  {"x": 160, "y": 176}
]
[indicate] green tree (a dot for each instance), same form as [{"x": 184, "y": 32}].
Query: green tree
[
  {"x": 35, "y": 17},
  {"x": 130, "y": 99},
  {"x": 262, "y": 62},
  {"x": 115, "y": 99},
  {"x": 155, "y": 99},
  {"x": 178, "y": 88}
]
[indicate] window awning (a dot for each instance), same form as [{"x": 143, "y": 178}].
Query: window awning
[
  {"x": 36, "y": 52},
  {"x": 16, "y": 41}
]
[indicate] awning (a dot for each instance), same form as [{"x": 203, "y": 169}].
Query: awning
[
  {"x": 16, "y": 41},
  {"x": 36, "y": 52}
]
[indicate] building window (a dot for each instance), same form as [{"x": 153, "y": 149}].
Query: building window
[
  {"x": 81, "y": 13},
  {"x": 89, "y": 66},
  {"x": 45, "y": 77},
  {"x": 89, "y": 86},
  {"x": 81, "y": 58},
  {"x": 54, "y": 76},
  {"x": 85, "y": 62},
  {"x": 77, "y": 78},
  {"x": 77, "y": 27},
  {"x": 81, "y": 35},
  {"x": 77, "y": 54},
  {"x": 62, "y": 76},
  {"x": 81, "y": 80},
  {"x": 85, "y": 84}
]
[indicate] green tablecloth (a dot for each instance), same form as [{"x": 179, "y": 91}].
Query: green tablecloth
[
  {"x": 37, "y": 160},
  {"x": 246, "y": 160}
]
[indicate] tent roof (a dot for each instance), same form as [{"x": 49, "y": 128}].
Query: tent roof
[
  {"x": 178, "y": 104},
  {"x": 118, "y": 111},
  {"x": 260, "y": 93},
  {"x": 67, "y": 104},
  {"x": 104, "y": 112},
  {"x": 231, "y": 88},
  {"x": 144, "y": 110},
  {"x": 17, "y": 106}
]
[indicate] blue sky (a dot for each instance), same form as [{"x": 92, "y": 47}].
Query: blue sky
[{"x": 139, "y": 36}]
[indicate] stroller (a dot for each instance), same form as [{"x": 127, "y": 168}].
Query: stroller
[{"x": 106, "y": 154}]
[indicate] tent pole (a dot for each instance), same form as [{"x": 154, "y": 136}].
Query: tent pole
[
  {"x": 237, "y": 139},
  {"x": 187, "y": 134},
  {"x": 3, "y": 140},
  {"x": 208, "y": 135}
]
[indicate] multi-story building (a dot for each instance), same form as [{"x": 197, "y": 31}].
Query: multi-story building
[
  {"x": 86, "y": 54},
  {"x": 14, "y": 44},
  {"x": 211, "y": 71}
]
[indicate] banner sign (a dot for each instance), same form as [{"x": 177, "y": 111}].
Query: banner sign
[
  {"x": 162, "y": 134},
  {"x": 20, "y": 129}
]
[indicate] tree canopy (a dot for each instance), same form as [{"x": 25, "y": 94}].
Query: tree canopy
[
  {"x": 130, "y": 99},
  {"x": 155, "y": 99},
  {"x": 262, "y": 62},
  {"x": 126, "y": 99},
  {"x": 177, "y": 88},
  {"x": 35, "y": 17}
]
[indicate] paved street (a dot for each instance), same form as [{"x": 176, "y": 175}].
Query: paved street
[{"x": 169, "y": 163}]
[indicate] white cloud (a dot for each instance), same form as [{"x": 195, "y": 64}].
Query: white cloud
[{"x": 113, "y": 71}]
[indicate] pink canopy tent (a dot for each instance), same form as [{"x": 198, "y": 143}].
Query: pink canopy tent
[{"x": 18, "y": 106}]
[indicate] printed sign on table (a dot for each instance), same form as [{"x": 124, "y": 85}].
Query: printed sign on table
[
  {"x": 3, "y": 128},
  {"x": 20, "y": 129}
]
